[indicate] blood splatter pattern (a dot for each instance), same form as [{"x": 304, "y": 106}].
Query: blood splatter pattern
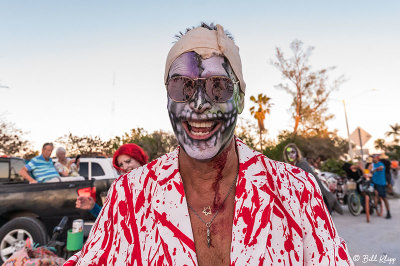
[{"x": 279, "y": 218}]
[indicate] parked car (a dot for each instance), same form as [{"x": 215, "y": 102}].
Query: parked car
[{"x": 33, "y": 210}]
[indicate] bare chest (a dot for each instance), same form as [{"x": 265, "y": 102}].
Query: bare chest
[{"x": 220, "y": 236}]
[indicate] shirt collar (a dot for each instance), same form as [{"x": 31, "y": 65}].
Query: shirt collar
[{"x": 42, "y": 158}]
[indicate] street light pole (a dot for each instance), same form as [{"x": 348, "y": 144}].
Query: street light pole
[{"x": 348, "y": 132}]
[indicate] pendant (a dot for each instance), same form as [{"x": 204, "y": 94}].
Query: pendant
[
  {"x": 208, "y": 234},
  {"x": 207, "y": 210}
]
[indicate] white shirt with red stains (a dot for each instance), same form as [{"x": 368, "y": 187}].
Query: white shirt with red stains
[{"x": 280, "y": 218}]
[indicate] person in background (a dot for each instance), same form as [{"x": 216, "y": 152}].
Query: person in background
[
  {"x": 66, "y": 166},
  {"x": 356, "y": 172},
  {"x": 41, "y": 166},
  {"x": 126, "y": 158},
  {"x": 379, "y": 181},
  {"x": 292, "y": 155},
  {"x": 388, "y": 173}
]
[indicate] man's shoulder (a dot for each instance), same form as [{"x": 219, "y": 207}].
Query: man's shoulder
[
  {"x": 36, "y": 159},
  {"x": 287, "y": 172},
  {"x": 277, "y": 171}
]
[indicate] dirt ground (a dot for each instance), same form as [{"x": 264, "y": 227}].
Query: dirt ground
[{"x": 374, "y": 243}]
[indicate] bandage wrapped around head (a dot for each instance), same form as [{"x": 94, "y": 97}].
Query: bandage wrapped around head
[{"x": 207, "y": 43}]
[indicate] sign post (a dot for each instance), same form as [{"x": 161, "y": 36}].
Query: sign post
[{"x": 360, "y": 137}]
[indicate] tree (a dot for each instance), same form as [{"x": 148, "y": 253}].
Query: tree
[
  {"x": 393, "y": 151},
  {"x": 326, "y": 147},
  {"x": 11, "y": 140},
  {"x": 310, "y": 89},
  {"x": 394, "y": 132},
  {"x": 379, "y": 144},
  {"x": 262, "y": 107},
  {"x": 86, "y": 146},
  {"x": 154, "y": 144},
  {"x": 245, "y": 130}
]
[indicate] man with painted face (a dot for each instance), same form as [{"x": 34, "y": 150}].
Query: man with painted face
[
  {"x": 212, "y": 201},
  {"x": 292, "y": 155}
]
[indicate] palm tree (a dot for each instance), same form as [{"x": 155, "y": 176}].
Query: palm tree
[
  {"x": 262, "y": 107},
  {"x": 380, "y": 144},
  {"x": 395, "y": 132}
]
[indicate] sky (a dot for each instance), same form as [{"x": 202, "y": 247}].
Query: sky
[{"x": 97, "y": 67}]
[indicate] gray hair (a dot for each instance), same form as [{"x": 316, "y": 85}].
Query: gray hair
[{"x": 60, "y": 149}]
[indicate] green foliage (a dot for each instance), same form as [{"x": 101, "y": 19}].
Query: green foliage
[
  {"x": 393, "y": 151},
  {"x": 333, "y": 166},
  {"x": 262, "y": 107},
  {"x": 246, "y": 131},
  {"x": 323, "y": 147},
  {"x": 379, "y": 144},
  {"x": 154, "y": 144},
  {"x": 394, "y": 132}
]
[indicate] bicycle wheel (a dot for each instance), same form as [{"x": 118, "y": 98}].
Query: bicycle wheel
[
  {"x": 379, "y": 207},
  {"x": 354, "y": 204},
  {"x": 367, "y": 207}
]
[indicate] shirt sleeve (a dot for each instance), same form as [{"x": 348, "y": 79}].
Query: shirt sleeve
[
  {"x": 30, "y": 166},
  {"x": 96, "y": 210},
  {"x": 322, "y": 244}
]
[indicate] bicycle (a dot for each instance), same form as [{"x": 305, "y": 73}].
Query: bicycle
[{"x": 368, "y": 192}]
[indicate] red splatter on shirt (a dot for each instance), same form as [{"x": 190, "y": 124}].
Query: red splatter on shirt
[{"x": 279, "y": 218}]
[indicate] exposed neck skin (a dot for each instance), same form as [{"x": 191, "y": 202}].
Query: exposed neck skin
[
  {"x": 63, "y": 160},
  {"x": 200, "y": 177}
]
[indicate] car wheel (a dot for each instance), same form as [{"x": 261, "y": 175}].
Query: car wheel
[{"x": 14, "y": 233}]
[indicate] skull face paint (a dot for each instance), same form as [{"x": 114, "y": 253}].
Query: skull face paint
[
  {"x": 203, "y": 128},
  {"x": 291, "y": 154}
]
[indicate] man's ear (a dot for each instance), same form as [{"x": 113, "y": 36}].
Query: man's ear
[{"x": 241, "y": 102}]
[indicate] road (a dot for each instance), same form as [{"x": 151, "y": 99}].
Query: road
[{"x": 374, "y": 243}]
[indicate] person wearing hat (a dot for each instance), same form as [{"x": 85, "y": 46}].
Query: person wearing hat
[
  {"x": 213, "y": 200},
  {"x": 379, "y": 181}
]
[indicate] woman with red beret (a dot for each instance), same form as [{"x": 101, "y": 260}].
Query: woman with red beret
[{"x": 128, "y": 157}]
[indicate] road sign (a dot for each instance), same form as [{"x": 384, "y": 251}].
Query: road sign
[
  {"x": 360, "y": 136},
  {"x": 362, "y": 152}
]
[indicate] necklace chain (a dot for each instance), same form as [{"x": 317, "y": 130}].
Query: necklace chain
[{"x": 208, "y": 224}]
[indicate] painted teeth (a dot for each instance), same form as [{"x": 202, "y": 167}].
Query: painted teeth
[
  {"x": 199, "y": 133},
  {"x": 201, "y": 124}
]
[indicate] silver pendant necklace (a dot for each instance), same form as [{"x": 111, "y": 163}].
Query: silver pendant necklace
[{"x": 208, "y": 225}]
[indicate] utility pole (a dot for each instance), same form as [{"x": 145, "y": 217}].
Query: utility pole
[{"x": 348, "y": 132}]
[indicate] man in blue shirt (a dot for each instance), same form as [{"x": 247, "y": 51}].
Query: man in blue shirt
[
  {"x": 379, "y": 180},
  {"x": 41, "y": 166}
]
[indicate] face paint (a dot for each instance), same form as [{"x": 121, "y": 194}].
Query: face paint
[
  {"x": 203, "y": 128},
  {"x": 291, "y": 154},
  {"x": 127, "y": 163}
]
